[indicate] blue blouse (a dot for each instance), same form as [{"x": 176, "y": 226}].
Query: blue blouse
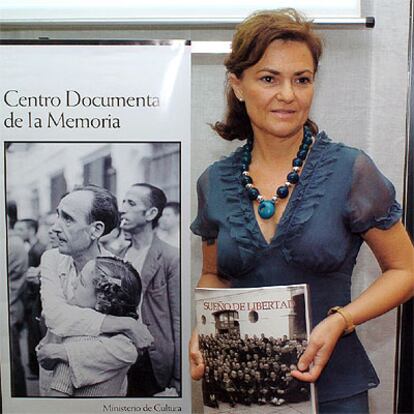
[{"x": 340, "y": 195}]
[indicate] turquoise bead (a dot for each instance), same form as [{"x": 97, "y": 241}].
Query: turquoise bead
[{"x": 266, "y": 209}]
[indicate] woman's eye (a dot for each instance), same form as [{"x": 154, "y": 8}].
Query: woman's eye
[
  {"x": 304, "y": 80},
  {"x": 267, "y": 79}
]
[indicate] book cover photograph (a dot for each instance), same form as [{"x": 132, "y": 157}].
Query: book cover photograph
[{"x": 251, "y": 339}]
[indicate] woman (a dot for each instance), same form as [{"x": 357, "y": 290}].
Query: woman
[
  {"x": 97, "y": 365},
  {"x": 291, "y": 206}
]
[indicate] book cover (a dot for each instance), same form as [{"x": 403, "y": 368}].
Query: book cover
[{"x": 251, "y": 340}]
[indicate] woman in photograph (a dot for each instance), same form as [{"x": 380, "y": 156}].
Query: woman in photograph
[
  {"x": 90, "y": 366},
  {"x": 291, "y": 206}
]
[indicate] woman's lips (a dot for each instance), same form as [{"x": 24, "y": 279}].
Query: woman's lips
[{"x": 284, "y": 113}]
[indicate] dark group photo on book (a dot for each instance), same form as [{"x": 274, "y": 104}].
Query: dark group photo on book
[{"x": 251, "y": 340}]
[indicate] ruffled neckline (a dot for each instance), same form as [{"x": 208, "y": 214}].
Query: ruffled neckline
[{"x": 244, "y": 228}]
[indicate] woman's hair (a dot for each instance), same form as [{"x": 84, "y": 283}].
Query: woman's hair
[
  {"x": 250, "y": 41},
  {"x": 118, "y": 285}
]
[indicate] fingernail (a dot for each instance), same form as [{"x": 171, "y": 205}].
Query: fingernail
[{"x": 301, "y": 366}]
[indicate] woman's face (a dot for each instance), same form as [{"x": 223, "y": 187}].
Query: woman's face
[{"x": 278, "y": 90}]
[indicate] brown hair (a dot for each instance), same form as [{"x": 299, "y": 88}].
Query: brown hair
[{"x": 250, "y": 41}]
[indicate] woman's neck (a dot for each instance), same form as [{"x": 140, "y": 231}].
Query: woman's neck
[{"x": 270, "y": 151}]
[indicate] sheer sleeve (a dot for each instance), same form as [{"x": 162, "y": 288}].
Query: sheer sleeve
[
  {"x": 371, "y": 200},
  {"x": 202, "y": 225}
]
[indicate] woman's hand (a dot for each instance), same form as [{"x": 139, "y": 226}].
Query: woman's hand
[
  {"x": 135, "y": 330},
  {"x": 393, "y": 287},
  {"x": 139, "y": 334},
  {"x": 196, "y": 358},
  {"x": 50, "y": 354},
  {"x": 321, "y": 345}
]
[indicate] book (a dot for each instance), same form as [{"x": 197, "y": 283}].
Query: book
[{"x": 251, "y": 339}]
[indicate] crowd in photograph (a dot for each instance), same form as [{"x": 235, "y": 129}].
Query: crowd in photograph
[
  {"x": 81, "y": 295},
  {"x": 251, "y": 370}
]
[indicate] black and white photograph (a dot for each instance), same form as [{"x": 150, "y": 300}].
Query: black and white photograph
[
  {"x": 251, "y": 340},
  {"x": 93, "y": 260}
]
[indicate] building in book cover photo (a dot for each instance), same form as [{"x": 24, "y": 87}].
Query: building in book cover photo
[
  {"x": 251, "y": 340},
  {"x": 94, "y": 268}
]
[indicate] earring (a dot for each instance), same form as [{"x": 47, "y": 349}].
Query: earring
[{"x": 239, "y": 98}]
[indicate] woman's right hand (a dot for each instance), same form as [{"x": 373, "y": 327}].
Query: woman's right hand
[
  {"x": 135, "y": 330},
  {"x": 139, "y": 334},
  {"x": 196, "y": 358}
]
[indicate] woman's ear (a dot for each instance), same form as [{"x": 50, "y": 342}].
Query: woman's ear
[
  {"x": 234, "y": 82},
  {"x": 97, "y": 229}
]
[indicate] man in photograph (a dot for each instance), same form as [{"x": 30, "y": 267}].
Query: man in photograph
[
  {"x": 83, "y": 217},
  {"x": 158, "y": 370},
  {"x": 17, "y": 266},
  {"x": 27, "y": 230},
  {"x": 169, "y": 224}
]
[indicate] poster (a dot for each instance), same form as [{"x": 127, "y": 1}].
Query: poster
[
  {"x": 95, "y": 152},
  {"x": 251, "y": 340}
]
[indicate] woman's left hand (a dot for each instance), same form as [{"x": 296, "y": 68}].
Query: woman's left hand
[
  {"x": 50, "y": 354},
  {"x": 321, "y": 344}
]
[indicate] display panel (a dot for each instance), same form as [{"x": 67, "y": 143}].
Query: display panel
[{"x": 95, "y": 141}]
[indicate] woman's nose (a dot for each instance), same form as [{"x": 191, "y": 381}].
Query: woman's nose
[{"x": 285, "y": 92}]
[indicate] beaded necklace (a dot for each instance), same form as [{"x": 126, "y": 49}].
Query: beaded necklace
[{"x": 267, "y": 208}]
